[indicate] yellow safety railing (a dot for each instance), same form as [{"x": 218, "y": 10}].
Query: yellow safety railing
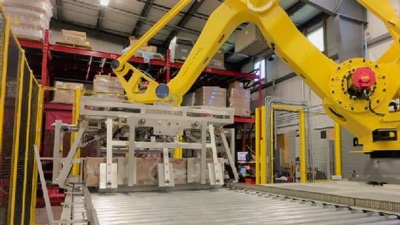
[
  {"x": 265, "y": 154},
  {"x": 258, "y": 147},
  {"x": 21, "y": 110},
  {"x": 338, "y": 150}
]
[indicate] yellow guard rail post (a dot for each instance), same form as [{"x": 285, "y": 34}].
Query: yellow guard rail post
[
  {"x": 27, "y": 147},
  {"x": 263, "y": 146},
  {"x": 15, "y": 154},
  {"x": 75, "y": 121},
  {"x": 338, "y": 150},
  {"x": 257, "y": 142}
]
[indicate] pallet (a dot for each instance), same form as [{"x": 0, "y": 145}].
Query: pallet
[{"x": 72, "y": 45}]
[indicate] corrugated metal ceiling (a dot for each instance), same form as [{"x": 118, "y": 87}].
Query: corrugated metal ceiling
[{"x": 135, "y": 17}]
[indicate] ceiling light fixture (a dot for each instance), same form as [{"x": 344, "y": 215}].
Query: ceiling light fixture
[{"x": 104, "y": 2}]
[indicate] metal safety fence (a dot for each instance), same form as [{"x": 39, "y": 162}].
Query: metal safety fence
[
  {"x": 21, "y": 112},
  {"x": 296, "y": 143}
]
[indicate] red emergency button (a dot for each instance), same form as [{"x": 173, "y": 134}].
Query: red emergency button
[{"x": 363, "y": 78}]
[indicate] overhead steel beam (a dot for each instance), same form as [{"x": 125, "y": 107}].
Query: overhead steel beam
[
  {"x": 115, "y": 36},
  {"x": 184, "y": 20},
  {"x": 100, "y": 17},
  {"x": 59, "y": 9},
  {"x": 350, "y": 9},
  {"x": 143, "y": 14},
  {"x": 313, "y": 21},
  {"x": 294, "y": 8}
]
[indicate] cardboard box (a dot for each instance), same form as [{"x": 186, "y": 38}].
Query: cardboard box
[
  {"x": 145, "y": 47},
  {"x": 239, "y": 93},
  {"x": 218, "y": 61},
  {"x": 180, "y": 170},
  {"x": 239, "y": 99},
  {"x": 147, "y": 170},
  {"x": 66, "y": 96},
  {"x": 74, "y": 37},
  {"x": 149, "y": 48},
  {"x": 189, "y": 99},
  {"x": 235, "y": 84},
  {"x": 242, "y": 111},
  {"x": 33, "y": 17},
  {"x": 133, "y": 40},
  {"x": 211, "y": 96},
  {"x": 194, "y": 173},
  {"x": 250, "y": 41},
  {"x": 107, "y": 84},
  {"x": 92, "y": 171}
]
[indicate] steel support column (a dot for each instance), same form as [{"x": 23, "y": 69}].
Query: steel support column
[
  {"x": 349, "y": 19},
  {"x": 350, "y": 37}
]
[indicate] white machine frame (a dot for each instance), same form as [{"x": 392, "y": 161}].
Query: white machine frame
[{"x": 165, "y": 120}]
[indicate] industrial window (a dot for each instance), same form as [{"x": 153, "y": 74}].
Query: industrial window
[
  {"x": 259, "y": 68},
  {"x": 317, "y": 38}
]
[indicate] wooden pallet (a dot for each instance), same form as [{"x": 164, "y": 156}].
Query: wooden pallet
[{"x": 73, "y": 45}]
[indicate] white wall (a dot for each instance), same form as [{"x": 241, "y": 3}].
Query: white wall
[{"x": 276, "y": 68}]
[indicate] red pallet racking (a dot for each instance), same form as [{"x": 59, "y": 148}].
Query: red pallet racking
[
  {"x": 51, "y": 60},
  {"x": 210, "y": 76}
]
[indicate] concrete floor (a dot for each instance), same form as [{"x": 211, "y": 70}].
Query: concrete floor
[{"x": 222, "y": 206}]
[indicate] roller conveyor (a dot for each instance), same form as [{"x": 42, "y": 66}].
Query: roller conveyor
[
  {"x": 225, "y": 206},
  {"x": 357, "y": 194}
]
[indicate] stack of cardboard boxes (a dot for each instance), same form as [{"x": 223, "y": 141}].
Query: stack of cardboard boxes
[
  {"x": 33, "y": 17},
  {"x": 74, "y": 38},
  {"x": 186, "y": 170},
  {"x": 107, "y": 84},
  {"x": 189, "y": 99},
  {"x": 239, "y": 99},
  {"x": 218, "y": 61},
  {"x": 211, "y": 96},
  {"x": 145, "y": 47},
  {"x": 66, "y": 92},
  {"x": 181, "y": 47}
]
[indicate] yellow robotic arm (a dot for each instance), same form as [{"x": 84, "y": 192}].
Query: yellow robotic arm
[{"x": 356, "y": 93}]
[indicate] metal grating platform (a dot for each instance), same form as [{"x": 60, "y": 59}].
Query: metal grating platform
[{"x": 223, "y": 206}]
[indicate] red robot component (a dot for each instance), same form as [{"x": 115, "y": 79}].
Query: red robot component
[{"x": 363, "y": 78}]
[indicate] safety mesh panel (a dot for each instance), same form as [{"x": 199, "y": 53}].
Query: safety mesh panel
[
  {"x": 20, "y": 175},
  {"x": 32, "y": 137},
  {"x": 9, "y": 113},
  {"x": 5, "y": 156},
  {"x": 30, "y": 159}
]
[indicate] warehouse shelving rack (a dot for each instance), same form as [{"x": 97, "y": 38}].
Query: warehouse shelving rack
[
  {"x": 55, "y": 62},
  {"x": 51, "y": 62}
]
